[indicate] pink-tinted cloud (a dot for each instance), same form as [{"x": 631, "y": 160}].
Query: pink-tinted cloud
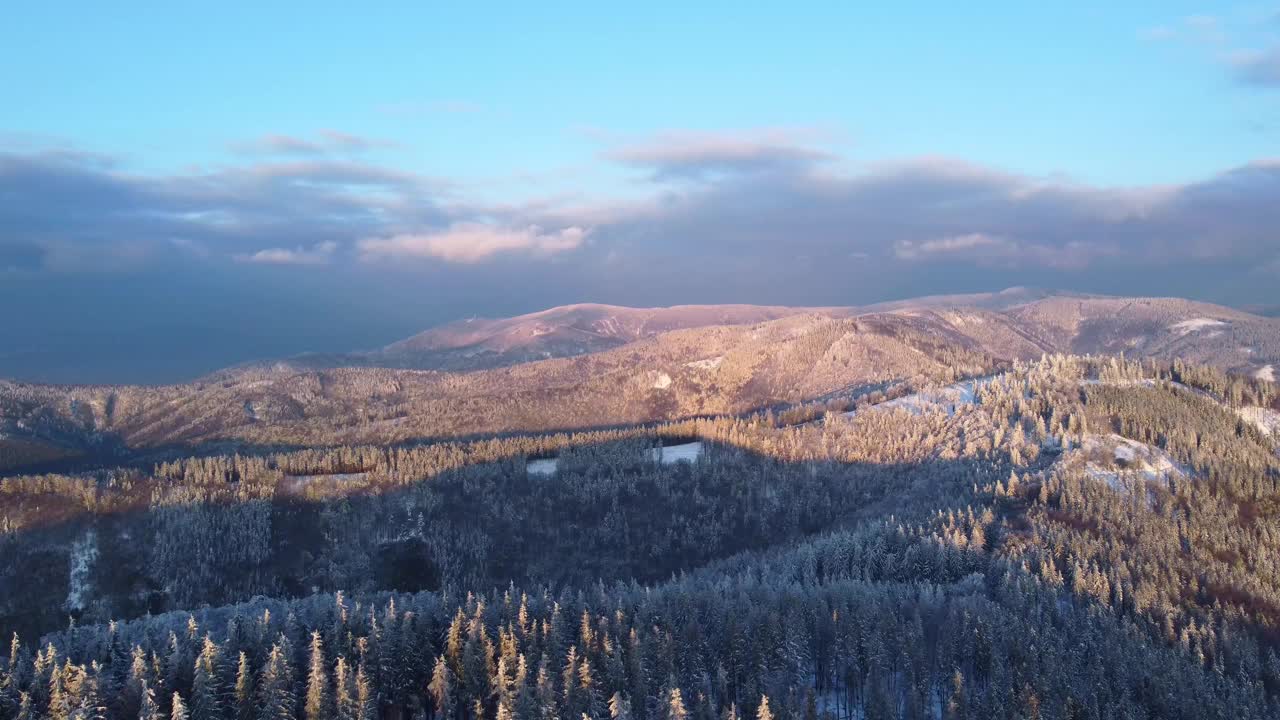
[{"x": 472, "y": 242}]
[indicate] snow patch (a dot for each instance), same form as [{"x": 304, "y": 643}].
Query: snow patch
[
  {"x": 84, "y": 553},
  {"x": 1265, "y": 419},
  {"x": 1187, "y": 327},
  {"x": 1132, "y": 460},
  {"x": 948, "y": 399},
  {"x": 662, "y": 382},
  {"x": 687, "y": 452},
  {"x": 1267, "y": 373},
  {"x": 543, "y": 466},
  {"x": 708, "y": 364}
]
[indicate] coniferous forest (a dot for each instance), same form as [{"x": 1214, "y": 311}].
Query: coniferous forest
[{"x": 1074, "y": 537}]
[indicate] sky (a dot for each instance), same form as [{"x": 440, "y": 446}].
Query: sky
[{"x": 188, "y": 186}]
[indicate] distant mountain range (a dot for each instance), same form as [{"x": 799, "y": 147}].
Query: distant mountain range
[
  {"x": 1016, "y": 322},
  {"x": 584, "y": 366}
]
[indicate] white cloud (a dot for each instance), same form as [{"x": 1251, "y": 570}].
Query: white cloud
[
  {"x": 971, "y": 243},
  {"x": 694, "y": 155},
  {"x": 472, "y": 242},
  {"x": 319, "y": 254}
]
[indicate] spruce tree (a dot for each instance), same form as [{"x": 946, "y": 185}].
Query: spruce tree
[
  {"x": 675, "y": 709},
  {"x": 275, "y": 687},
  {"x": 442, "y": 689},
  {"x": 366, "y": 698},
  {"x": 206, "y": 692},
  {"x": 244, "y": 690},
  {"x": 149, "y": 709},
  {"x": 344, "y": 691},
  {"x": 317, "y": 701},
  {"x": 764, "y": 712},
  {"x": 178, "y": 710}
]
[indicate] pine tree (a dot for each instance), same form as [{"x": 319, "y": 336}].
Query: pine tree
[
  {"x": 92, "y": 706},
  {"x": 206, "y": 693},
  {"x": 675, "y": 709},
  {"x": 619, "y": 707},
  {"x": 764, "y": 713},
  {"x": 344, "y": 692},
  {"x": 366, "y": 700},
  {"x": 60, "y": 700},
  {"x": 317, "y": 703},
  {"x": 179, "y": 710},
  {"x": 571, "y": 703},
  {"x": 956, "y": 704},
  {"x": 25, "y": 712},
  {"x": 441, "y": 689},
  {"x": 244, "y": 689},
  {"x": 275, "y": 687},
  {"x": 149, "y": 709}
]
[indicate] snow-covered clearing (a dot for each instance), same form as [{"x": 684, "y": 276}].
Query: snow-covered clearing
[
  {"x": 687, "y": 452},
  {"x": 1265, "y": 419},
  {"x": 947, "y": 399},
  {"x": 671, "y": 454},
  {"x": 84, "y": 553},
  {"x": 662, "y": 382},
  {"x": 1127, "y": 459},
  {"x": 708, "y": 364},
  {"x": 1187, "y": 327},
  {"x": 299, "y": 483},
  {"x": 542, "y": 466},
  {"x": 1267, "y": 373}
]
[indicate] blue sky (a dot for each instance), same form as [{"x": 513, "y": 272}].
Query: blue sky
[
  {"x": 484, "y": 93},
  {"x": 416, "y": 162}
]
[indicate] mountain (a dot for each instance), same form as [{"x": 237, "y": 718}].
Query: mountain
[
  {"x": 560, "y": 332},
  {"x": 565, "y": 331},
  {"x": 622, "y": 366},
  {"x": 937, "y": 508}
]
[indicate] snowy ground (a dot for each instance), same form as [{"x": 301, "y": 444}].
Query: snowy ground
[
  {"x": 543, "y": 466},
  {"x": 708, "y": 364},
  {"x": 686, "y": 452},
  {"x": 1187, "y": 327},
  {"x": 1130, "y": 459},
  {"x": 1267, "y": 373},
  {"x": 299, "y": 483},
  {"x": 662, "y": 382},
  {"x": 948, "y": 399},
  {"x": 1266, "y": 420}
]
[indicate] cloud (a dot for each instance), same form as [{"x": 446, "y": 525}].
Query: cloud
[
  {"x": 74, "y": 212},
  {"x": 473, "y": 242},
  {"x": 744, "y": 229},
  {"x": 318, "y": 254},
  {"x": 699, "y": 155},
  {"x": 326, "y": 142},
  {"x": 1260, "y": 68},
  {"x": 934, "y": 209},
  {"x": 986, "y": 250},
  {"x": 1248, "y": 66},
  {"x": 755, "y": 208}
]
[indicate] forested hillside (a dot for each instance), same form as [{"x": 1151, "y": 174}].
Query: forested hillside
[
  {"x": 1064, "y": 538},
  {"x": 589, "y": 367}
]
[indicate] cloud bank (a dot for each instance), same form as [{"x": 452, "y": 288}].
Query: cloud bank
[{"x": 764, "y": 217}]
